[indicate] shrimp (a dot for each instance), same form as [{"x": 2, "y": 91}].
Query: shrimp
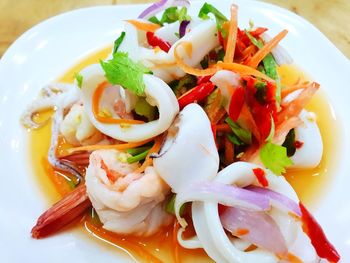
[
  {"x": 126, "y": 202},
  {"x": 77, "y": 128}
]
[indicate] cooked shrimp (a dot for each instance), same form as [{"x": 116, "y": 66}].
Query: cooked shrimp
[
  {"x": 124, "y": 200},
  {"x": 77, "y": 128}
]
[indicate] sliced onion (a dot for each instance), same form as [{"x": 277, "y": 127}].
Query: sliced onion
[
  {"x": 183, "y": 26},
  {"x": 277, "y": 199},
  {"x": 262, "y": 229},
  {"x": 227, "y": 195},
  {"x": 160, "y": 6}
]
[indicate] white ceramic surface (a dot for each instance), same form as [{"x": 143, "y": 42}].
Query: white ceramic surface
[{"x": 47, "y": 50}]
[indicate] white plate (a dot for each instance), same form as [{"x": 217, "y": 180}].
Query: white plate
[{"x": 50, "y": 48}]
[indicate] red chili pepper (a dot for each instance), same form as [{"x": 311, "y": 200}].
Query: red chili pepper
[
  {"x": 203, "y": 79},
  {"x": 196, "y": 94},
  {"x": 257, "y": 32},
  {"x": 318, "y": 238},
  {"x": 236, "y": 103},
  {"x": 155, "y": 41},
  {"x": 222, "y": 40},
  {"x": 298, "y": 144},
  {"x": 214, "y": 130},
  {"x": 260, "y": 175}
]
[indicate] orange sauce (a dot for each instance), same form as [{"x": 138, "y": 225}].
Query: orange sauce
[{"x": 162, "y": 247}]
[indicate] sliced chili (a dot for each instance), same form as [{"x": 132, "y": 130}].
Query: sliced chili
[
  {"x": 260, "y": 175},
  {"x": 155, "y": 41},
  {"x": 236, "y": 103},
  {"x": 198, "y": 93},
  {"x": 323, "y": 247}
]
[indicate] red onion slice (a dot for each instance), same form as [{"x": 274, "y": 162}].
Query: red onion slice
[
  {"x": 277, "y": 199},
  {"x": 182, "y": 28},
  {"x": 160, "y": 6},
  {"x": 262, "y": 230},
  {"x": 227, "y": 195}
]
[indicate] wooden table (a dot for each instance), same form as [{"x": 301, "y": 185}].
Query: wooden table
[{"x": 331, "y": 17}]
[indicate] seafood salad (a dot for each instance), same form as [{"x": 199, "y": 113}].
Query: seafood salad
[{"x": 186, "y": 128}]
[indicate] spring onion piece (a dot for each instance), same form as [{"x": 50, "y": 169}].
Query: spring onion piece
[
  {"x": 137, "y": 158},
  {"x": 244, "y": 135},
  {"x": 118, "y": 41},
  {"x": 138, "y": 150},
  {"x": 170, "y": 206},
  {"x": 79, "y": 79},
  {"x": 162, "y": 5}
]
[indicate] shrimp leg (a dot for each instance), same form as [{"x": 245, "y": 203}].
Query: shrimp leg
[{"x": 62, "y": 213}]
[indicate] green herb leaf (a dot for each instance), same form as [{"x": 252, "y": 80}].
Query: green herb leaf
[
  {"x": 244, "y": 135},
  {"x": 155, "y": 20},
  {"x": 289, "y": 143},
  {"x": 173, "y": 14},
  {"x": 121, "y": 70},
  {"x": 219, "y": 17},
  {"x": 274, "y": 157},
  {"x": 79, "y": 79},
  {"x": 143, "y": 108},
  {"x": 118, "y": 41},
  {"x": 260, "y": 93}
]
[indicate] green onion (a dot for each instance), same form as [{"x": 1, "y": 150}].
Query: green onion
[
  {"x": 138, "y": 150},
  {"x": 170, "y": 206},
  {"x": 118, "y": 41},
  {"x": 244, "y": 135},
  {"x": 95, "y": 219},
  {"x": 139, "y": 157},
  {"x": 234, "y": 139}
]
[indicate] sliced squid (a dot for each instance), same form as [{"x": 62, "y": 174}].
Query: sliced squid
[
  {"x": 157, "y": 93},
  {"x": 77, "y": 128},
  {"x": 221, "y": 247},
  {"x": 309, "y": 155},
  {"x": 163, "y": 64},
  {"x": 189, "y": 153},
  {"x": 126, "y": 202}
]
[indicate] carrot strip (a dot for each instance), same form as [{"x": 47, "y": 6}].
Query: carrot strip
[
  {"x": 266, "y": 49},
  {"x": 95, "y": 108},
  {"x": 223, "y": 128},
  {"x": 158, "y": 142},
  {"x": 229, "y": 151},
  {"x": 144, "y": 26},
  {"x": 232, "y": 35},
  {"x": 243, "y": 70},
  {"x": 188, "y": 69},
  {"x": 285, "y": 92},
  {"x": 122, "y": 146},
  {"x": 248, "y": 51},
  {"x": 294, "y": 108}
]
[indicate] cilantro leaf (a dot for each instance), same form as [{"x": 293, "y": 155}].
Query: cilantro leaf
[
  {"x": 244, "y": 135},
  {"x": 79, "y": 79},
  {"x": 274, "y": 157},
  {"x": 171, "y": 15},
  {"x": 219, "y": 17},
  {"x": 118, "y": 41},
  {"x": 121, "y": 70}
]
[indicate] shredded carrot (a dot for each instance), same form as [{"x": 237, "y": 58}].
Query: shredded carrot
[
  {"x": 241, "y": 232},
  {"x": 247, "y": 117},
  {"x": 232, "y": 35},
  {"x": 243, "y": 70},
  {"x": 144, "y": 26},
  {"x": 229, "y": 151},
  {"x": 122, "y": 146},
  {"x": 266, "y": 49},
  {"x": 248, "y": 51},
  {"x": 289, "y": 257},
  {"x": 214, "y": 110},
  {"x": 188, "y": 69},
  {"x": 176, "y": 243},
  {"x": 223, "y": 128},
  {"x": 155, "y": 149},
  {"x": 295, "y": 107},
  {"x": 288, "y": 90},
  {"x": 95, "y": 108}
]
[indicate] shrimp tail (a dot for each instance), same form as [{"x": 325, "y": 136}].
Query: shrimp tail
[{"x": 62, "y": 213}]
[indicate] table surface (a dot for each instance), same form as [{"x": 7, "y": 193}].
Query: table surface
[{"x": 331, "y": 17}]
